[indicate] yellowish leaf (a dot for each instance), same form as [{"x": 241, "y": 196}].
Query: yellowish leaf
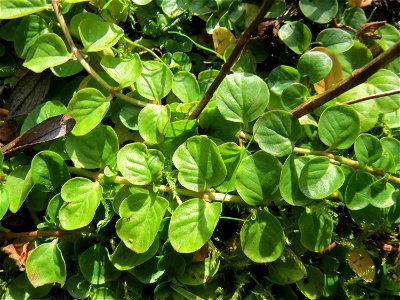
[
  {"x": 222, "y": 38},
  {"x": 334, "y": 76},
  {"x": 361, "y": 263}
]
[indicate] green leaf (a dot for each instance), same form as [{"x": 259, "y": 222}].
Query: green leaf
[
  {"x": 276, "y": 132},
  {"x": 296, "y": 35},
  {"x": 287, "y": 269},
  {"x": 232, "y": 155},
  {"x": 368, "y": 149},
  {"x": 381, "y": 193},
  {"x": 192, "y": 224},
  {"x": 96, "y": 267},
  {"x": 319, "y": 178},
  {"x": 96, "y": 149},
  {"x": 313, "y": 285},
  {"x": 42, "y": 112},
  {"x": 339, "y": 126},
  {"x": 78, "y": 18},
  {"x": 82, "y": 197},
  {"x": 67, "y": 69},
  {"x": 335, "y": 40},
  {"x": 186, "y": 87},
  {"x": 198, "y": 273},
  {"x": 124, "y": 258},
  {"x": 28, "y": 30},
  {"x": 49, "y": 171},
  {"x": 392, "y": 146},
  {"x": 319, "y": 11},
  {"x": 141, "y": 216},
  {"x": 123, "y": 71},
  {"x": 155, "y": 81},
  {"x": 357, "y": 190},
  {"x": 257, "y": 178},
  {"x": 242, "y": 97},
  {"x": 262, "y": 237},
  {"x": 19, "y": 184},
  {"x": 78, "y": 287},
  {"x": 129, "y": 115},
  {"x": 141, "y": 2},
  {"x": 354, "y": 58},
  {"x": 4, "y": 201},
  {"x": 48, "y": 51},
  {"x": 289, "y": 181},
  {"x": 97, "y": 35},
  {"x": 316, "y": 65},
  {"x": 12, "y": 9},
  {"x": 294, "y": 95},
  {"x": 152, "y": 123},
  {"x": 354, "y": 17},
  {"x": 139, "y": 165},
  {"x": 88, "y": 107},
  {"x": 45, "y": 264},
  {"x": 316, "y": 227},
  {"x": 199, "y": 163},
  {"x": 174, "y": 8}
]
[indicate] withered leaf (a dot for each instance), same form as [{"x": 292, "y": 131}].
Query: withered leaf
[
  {"x": 29, "y": 91},
  {"x": 48, "y": 130},
  {"x": 18, "y": 253}
]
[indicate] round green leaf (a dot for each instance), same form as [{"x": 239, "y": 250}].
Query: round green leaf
[
  {"x": 335, "y": 40},
  {"x": 152, "y": 122},
  {"x": 198, "y": 273},
  {"x": 78, "y": 287},
  {"x": 294, "y": 95},
  {"x": 4, "y": 201},
  {"x": 149, "y": 272},
  {"x": 141, "y": 2},
  {"x": 313, "y": 285},
  {"x": 186, "y": 87},
  {"x": 357, "y": 190},
  {"x": 287, "y": 269},
  {"x": 262, "y": 237},
  {"x": 28, "y": 30},
  {"x": 124, "y": 258},
  {"x": 96, "y": 267},
  {"x": 82, "y": 197},
  {"x": 192, "y": 224},
  {"x": 354, "y": 17},
  {"x": 316, "y": 65},
  {"x": 257, "y": 178},
  {"x": 12, "y": 9},
  {"x": 199, "y": 163},
  {"x": 49, "y": 171},
  {"x": 48, "y": 51},
  {"x": 67, "y": 69},
  {"x": 368, "y": 149},
  {"x": 242, "y": 97},
  {"x": 155, "y": 81},
  {"x": 339, "y": 126},
  {"x": 232, "y": 155},
  {"x": 296, "y": 35},
  {"x": 139, "y": 165},
  {"x": 174, "y": 8},
  {"x": 319, "y": 178},
  {"x": 319, "y": 11},
  {"x": 354, "y": 58},
  {"x": 276, "y": 132},
  {"x": 45, "y": 264},
  {"x": 19, "y": 184},
  {"x": 381, "y": 194},
  {"x": 141, "y": 216},
  {"x": 316, "y": 227},
  {"x": 129, "y": 116},
  {"x": 392, "y": 146},
  {"x": 289, "y": 181},
  {"x": 123, "y": 71},
  {"x": 93, "y": 150},
  {"x": 78, "y": 18},
  {"x": 88, "y": 107},
  {"x": 98, "y": 35}
]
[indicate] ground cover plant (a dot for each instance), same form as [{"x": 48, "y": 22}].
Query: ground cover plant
[{"x": 211, "y": 149}]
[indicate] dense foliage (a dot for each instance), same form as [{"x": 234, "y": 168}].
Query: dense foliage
[{"x": 147, "y": 166}]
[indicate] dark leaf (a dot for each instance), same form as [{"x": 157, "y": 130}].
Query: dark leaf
[
  {"x": 50, "y": 129},
  {"x": 29, "y": 91}
]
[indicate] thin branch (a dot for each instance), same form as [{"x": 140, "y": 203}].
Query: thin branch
[
  {"x": 166, "y": 189},
  {"x": 374, "y": 96},
  {"x": 75, "y": 51},
  {"x": 351, "y": 163},
  {"x": 358, "y": 76},
  {"x": 244, "y": 37},
  {"x": 30, "y": 234}
]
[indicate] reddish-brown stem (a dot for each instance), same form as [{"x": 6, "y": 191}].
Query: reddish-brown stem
[{"x": 244, "y": 37}]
